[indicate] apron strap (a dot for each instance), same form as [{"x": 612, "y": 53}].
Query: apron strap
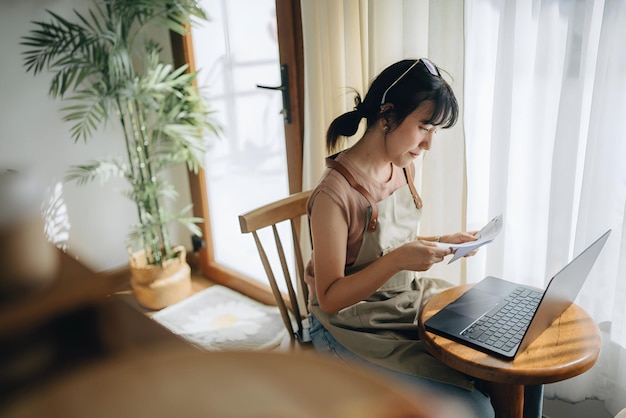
[
  {"x": 416, "y": 197},
  {"x": 373, "y": 223}
]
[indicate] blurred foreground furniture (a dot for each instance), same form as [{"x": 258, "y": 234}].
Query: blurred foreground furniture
[
  {"x": 569, "y": 347},
  {"x": 291, "y": 211},
  {"x": 181, "y": 383},
  {"x": 77, "y": 350},
  {"x": 70, "y": 323}
]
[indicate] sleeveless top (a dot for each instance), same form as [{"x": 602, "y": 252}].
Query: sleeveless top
[{"x": 383, "y": 328}]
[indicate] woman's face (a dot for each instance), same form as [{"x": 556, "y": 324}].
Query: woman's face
[{"x": 405, "y": 142}]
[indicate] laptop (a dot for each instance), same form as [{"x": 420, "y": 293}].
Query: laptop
[{"x": 520, "y": 313}]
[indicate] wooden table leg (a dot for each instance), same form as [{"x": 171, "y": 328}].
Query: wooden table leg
[{"x": 507, "y": 400}]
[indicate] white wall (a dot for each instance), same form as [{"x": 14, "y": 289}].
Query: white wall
[{"x": 34, "y": 138}]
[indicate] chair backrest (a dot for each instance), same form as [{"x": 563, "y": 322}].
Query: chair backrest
[{"x": 293, "y": 305}]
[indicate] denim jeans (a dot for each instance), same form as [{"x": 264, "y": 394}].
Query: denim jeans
[{"x": 475, "y": 401}]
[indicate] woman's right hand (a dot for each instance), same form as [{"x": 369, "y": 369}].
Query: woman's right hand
[{"x": 420, "y": 255}]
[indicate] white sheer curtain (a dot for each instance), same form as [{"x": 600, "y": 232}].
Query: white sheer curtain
[
  {"x": 346, "y": 44},
  {"x": 545, "y": 102}
]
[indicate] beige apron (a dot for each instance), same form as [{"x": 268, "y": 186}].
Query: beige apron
[{"x": 383, "y": 328}]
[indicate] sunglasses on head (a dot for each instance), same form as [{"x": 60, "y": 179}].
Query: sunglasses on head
[{"x": 427, "y": 63}]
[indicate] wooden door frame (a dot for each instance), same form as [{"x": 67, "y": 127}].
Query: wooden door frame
[
  {"x": 289, "y": 20},
  {"x": 289, "y": 27}
]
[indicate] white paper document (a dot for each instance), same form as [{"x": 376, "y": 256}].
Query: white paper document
[{"x": 487, "y": 234}]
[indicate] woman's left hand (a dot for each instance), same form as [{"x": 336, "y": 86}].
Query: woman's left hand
[{"x": 460, "y": 238}]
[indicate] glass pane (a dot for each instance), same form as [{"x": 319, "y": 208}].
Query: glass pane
[{"x": 246, "y": 167}]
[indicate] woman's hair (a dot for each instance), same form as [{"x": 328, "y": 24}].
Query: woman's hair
[{"x": 405, "y": 85}]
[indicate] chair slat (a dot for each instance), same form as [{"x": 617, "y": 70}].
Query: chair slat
[
  {"x": 287, "y": 276},
  {"x": 273, "y": 284}
]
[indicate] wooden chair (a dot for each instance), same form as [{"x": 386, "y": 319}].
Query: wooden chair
[{"x": 293, "y": 305}]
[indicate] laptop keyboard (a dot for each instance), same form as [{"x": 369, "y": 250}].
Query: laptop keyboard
[{"x": 505, "y": 328}]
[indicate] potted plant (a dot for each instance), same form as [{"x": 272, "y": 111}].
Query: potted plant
[{"x": 106, "y": 67}]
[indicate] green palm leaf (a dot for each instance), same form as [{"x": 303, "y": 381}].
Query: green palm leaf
[
  {"x": 103, "y": 170},
  {"x": 90, "y": 111}
]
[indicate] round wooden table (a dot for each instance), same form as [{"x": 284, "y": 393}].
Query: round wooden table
[{"x": 569, "y": 347}]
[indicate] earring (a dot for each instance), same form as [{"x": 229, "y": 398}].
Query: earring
[{"x": 386, "y": 128}]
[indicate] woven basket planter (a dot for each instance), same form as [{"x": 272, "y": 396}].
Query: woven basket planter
[{"x": 158, "y": 286}]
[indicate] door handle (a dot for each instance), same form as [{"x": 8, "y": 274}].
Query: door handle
[{"x": 284, "y": 88}]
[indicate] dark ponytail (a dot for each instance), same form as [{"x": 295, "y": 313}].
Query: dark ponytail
[{"x": 344, "y": 125}]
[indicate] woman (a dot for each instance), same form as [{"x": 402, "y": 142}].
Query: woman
[{"x": 364, "y": 214}]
